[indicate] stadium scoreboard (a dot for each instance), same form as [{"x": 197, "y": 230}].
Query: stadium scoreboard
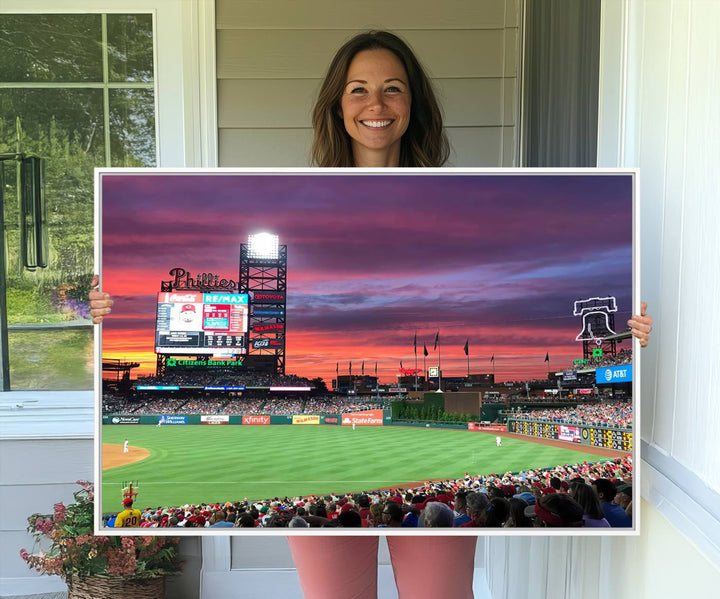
[
  {"x": 191, "y": 322},
  {"x": 607, "y": 438}
]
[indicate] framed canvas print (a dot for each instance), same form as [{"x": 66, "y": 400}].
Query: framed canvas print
[{"x": 332, "y": 351}]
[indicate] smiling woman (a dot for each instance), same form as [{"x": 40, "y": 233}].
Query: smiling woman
[{"x": 377, "y": 107}]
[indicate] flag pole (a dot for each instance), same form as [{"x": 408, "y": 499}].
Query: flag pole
[
  {"x": 439, "y": 366},
  {"x": 416, "y": 368},
  {"x": 425, "y": 353},
  {"x": 377, "y": 382}
]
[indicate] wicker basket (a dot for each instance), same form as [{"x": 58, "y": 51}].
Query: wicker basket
[{"x": 116, "y": 587}]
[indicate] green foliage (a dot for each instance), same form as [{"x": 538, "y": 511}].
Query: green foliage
[{"x": 57, "y": 359}]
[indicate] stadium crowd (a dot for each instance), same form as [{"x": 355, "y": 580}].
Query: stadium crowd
[
  {"x": 616, "y": 414},
  {"x": 578, "y": 495},
  {"x": 222, "y": 377},
  {"x": 272, "y": 405}
]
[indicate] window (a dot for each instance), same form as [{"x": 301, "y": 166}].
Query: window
[{"x": 78, "y": 90}]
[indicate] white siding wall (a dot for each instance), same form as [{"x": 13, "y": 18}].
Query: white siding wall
[
  {"x": 660, "y": 81},
  {"x": 271, "y": 58},
  {"x": 45, "y": 447}
]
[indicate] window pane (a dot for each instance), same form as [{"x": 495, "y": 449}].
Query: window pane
[
  {"x": 38, "y": 48},
  {"x": 65, "y": 127},
  {"x": 132, "y": 127},
  {"x": 130, "y": 48},
  {"x": 53, "y": 359}
]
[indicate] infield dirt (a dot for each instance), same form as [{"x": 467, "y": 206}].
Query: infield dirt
[{"x": 113, "y": 456}]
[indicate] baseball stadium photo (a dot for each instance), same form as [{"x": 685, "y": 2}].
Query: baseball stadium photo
[{"x": 307, "y": 349}]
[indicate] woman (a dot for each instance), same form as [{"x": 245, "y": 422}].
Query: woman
[
  {"x": 592, "y": 510},
  {"x": 517, "y": 518},
  {"x": 377, "y": 108}
]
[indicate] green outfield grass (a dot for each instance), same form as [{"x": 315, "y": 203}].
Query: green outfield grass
[{"x": 194, "y": 464}]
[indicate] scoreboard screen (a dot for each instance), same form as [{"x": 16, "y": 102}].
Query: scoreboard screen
[
  {"x": 620, "y": 440},
  {"x": 193, "y": 322}
]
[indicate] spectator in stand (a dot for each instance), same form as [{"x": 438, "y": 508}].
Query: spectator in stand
[
  {"x": 298, "y": 522},
  {"x": 517, "y": 517},
  {"x": 376, "y": 514},
  {"x": 245, "y": 520},
  {"x": 614, "y": 514},
  {"x": 438, "y": 515},
  {"x": 461, "y": 516},
  {"x": 477, "y": 503},
  {"x": 217, "y": 520},
  {"x": 392, "y": 515},
  {"x": 624, "y": 498},
  {"x": 349, "y": 519},
  {"x": 592, "y": 510},
  {"x": 497, "y": 512},
  {"x": 363, "y": 504},
  {"x": 559, "y": 510},
  {"x": 129, "y": 517}
]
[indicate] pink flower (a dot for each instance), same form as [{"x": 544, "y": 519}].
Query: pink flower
[
  {"x": 59, "y": 512},
  {"x": 121, "y": 562},
  {"x": 128, "y": 543},
  {"x": 24, "y": 555},
  {"x": 43, "y": 526}
]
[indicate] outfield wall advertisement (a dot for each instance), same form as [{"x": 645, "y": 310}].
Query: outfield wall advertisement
[
  {"x": 172, "y": 419},
  {"x": 214, "y": 419},
  {"x": 490, "y": 428},
  {"x": 306, "y": 419},
  {"x": 264, "y": 419},
  {"x": 367, "y": 418}
]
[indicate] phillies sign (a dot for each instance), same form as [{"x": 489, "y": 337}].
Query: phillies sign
[{"x": 206, "y": 281}]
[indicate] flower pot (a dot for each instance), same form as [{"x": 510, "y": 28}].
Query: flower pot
[{"x": 116, "y": 587}]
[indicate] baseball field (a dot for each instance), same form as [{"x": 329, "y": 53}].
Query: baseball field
[{"x": 175, "y": 465}]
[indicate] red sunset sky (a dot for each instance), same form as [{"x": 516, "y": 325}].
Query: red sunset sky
[{"x": 375, "y": 258}]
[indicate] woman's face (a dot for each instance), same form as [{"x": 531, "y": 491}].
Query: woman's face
[{"x": 375, "y": 107}]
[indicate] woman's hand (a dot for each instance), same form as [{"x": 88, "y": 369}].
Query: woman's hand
[
  {"x": 100, "y": 303},
  {"x": 640, "y": 326}
]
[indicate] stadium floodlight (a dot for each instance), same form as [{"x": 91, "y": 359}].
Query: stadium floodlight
[{"x": 264, "y": 246}]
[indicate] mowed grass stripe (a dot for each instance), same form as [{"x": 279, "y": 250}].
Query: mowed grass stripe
[{"x": 193, "y": 464}]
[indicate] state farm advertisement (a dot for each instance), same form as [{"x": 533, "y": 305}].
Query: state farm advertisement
[
  {"x": 368, "y": 418},
  {"x": 214, "y": 419},
  {"x": 490, "y": 428},
  {"x": 256, "y": 420},
  {"x": 306, "y": 419}
]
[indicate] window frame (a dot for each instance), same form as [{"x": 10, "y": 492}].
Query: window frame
[
  {"x": 186, "y": 129},
  {"x": 185, "y": 97}
]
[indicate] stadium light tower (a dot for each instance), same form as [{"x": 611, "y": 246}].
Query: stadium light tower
[
  {"x": 263, "y": 246},
  {"x": 263, "y": 276}
]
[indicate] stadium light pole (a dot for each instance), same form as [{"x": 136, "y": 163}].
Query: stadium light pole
[{"x": 264, "y": 245}]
